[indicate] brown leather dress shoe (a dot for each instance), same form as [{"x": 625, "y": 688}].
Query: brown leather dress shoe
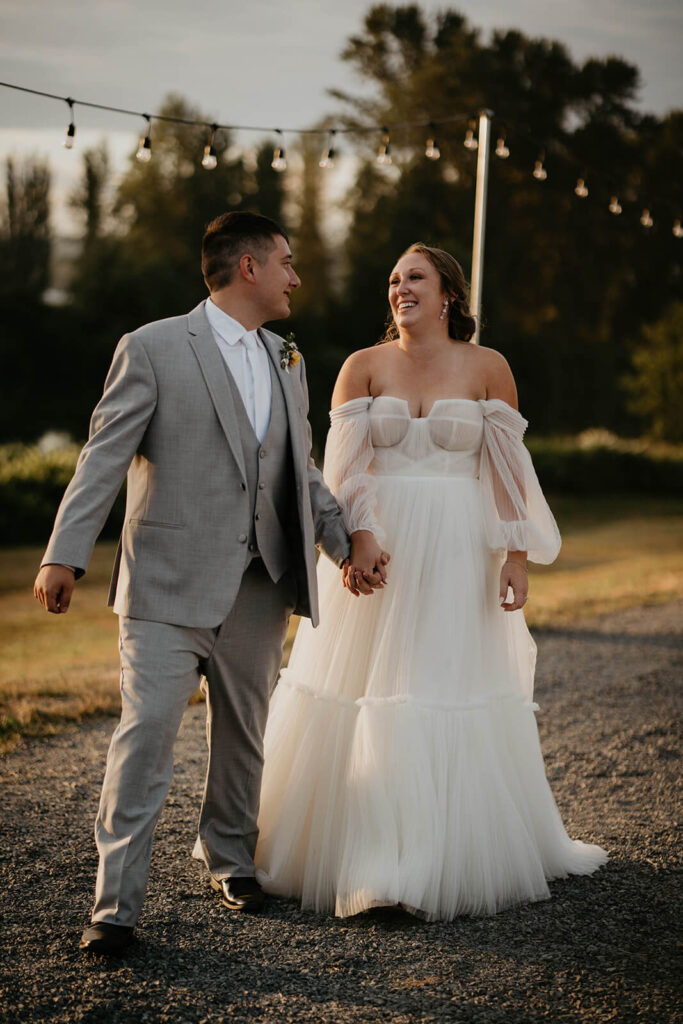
[
  {"x": 102, "y": 937},
  {"x": 243, "y": 894}
]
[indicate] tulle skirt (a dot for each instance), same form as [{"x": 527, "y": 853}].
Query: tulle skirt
[{"x": 402, "y": 760}]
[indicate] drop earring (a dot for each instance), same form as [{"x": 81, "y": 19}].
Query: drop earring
[{"x": 444, "y": 310}]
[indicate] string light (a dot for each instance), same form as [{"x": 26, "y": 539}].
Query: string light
[
  {"x": 210, "y": 160},
  {"x": 279, "y": 156},
  {"x": 279, "y": 162},
  {"x": 384, "y": 153},
  {"x": 539, "y": 172},
  {"x": 329, "y": 155},
  {"x": 71, "y": 127},
  {"x": 470, "y": 141},
  {"x": 432, "y": 151},
  {"x": 501, "y": 149},
  {"x": 144, "y": 153}
]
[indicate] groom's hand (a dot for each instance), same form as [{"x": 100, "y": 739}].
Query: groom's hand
[
  {"x": 53, "y": 588},
  {"x": 364, "y": 581}
]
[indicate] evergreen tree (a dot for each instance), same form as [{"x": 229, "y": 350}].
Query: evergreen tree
[
  {"x": 25, "y": 236},
  {"x": 91, "y": 201},
  {"x": 656, "y": 384},
  {"x": 268, "y": 188}
]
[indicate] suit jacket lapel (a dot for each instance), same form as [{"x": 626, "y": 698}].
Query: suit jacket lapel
[
  {"x": 293, "y": 401},
  {"x": 214, "y": 372}
]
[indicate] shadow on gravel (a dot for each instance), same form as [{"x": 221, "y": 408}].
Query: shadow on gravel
[
  {"x": 590, "y": 946},
  {"x": 664, "y": 640},
  {"x": 602, "y": 944}
]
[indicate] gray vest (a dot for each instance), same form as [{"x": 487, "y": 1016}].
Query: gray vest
[{"x": 268, "y": 480}]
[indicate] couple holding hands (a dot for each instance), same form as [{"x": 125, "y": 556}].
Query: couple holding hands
[{"x": 397, "y": 760}]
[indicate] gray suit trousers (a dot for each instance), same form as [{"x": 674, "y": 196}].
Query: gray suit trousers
[{"x": 161, "y": 666}]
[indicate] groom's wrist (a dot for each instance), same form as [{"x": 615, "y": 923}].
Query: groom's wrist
[{"x": 73, "y": 568}]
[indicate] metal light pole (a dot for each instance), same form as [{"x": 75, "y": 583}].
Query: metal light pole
[{"x": 483, "y": 158}]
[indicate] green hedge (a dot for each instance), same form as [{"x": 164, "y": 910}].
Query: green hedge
[
  {"x": 32, "y": 480},
  {"x": 597, "y": 462}
]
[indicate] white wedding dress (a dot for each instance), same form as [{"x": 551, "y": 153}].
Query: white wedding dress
[{"x": 402, "y": 760}]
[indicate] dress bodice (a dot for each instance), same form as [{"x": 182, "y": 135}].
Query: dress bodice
[
  {"x": 460, "y": 439},
  {"x": 446, "y": 442}
]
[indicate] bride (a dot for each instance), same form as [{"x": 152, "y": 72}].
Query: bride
[{"x": 402, "y": 760}]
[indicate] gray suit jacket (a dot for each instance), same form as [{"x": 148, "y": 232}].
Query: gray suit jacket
[{"x": 167, "y": 418}]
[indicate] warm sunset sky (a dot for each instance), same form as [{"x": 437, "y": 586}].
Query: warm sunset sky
[{"x": 260, "y": 62}]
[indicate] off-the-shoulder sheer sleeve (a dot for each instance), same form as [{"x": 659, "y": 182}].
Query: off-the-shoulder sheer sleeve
[
  {"x": 516, "y": 513},
  {"x": 348, "y": 453}
]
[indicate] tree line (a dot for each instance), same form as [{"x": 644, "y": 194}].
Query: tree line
[{"x": 585, "y": 305}]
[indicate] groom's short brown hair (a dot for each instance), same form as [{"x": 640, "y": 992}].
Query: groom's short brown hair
[{"x": 229, "y": 237}]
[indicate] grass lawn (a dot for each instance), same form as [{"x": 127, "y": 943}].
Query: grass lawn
[{"x": 55, "y": 669}]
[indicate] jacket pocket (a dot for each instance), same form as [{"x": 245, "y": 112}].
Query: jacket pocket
[{"x": 154, "y": 523}]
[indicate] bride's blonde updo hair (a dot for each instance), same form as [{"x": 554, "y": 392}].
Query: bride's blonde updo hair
[{"x": 461, "y": 323}]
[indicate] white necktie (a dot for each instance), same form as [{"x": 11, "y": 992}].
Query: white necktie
[{"x": 258, "y": 394}]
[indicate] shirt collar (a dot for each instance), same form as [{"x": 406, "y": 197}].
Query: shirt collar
[{"x": 225, "y": 326}]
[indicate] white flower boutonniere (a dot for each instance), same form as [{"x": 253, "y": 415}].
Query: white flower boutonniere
[{"x": 289, "y": 353}]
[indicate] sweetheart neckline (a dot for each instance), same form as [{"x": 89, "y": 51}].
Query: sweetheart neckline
[{"x": 470, "y": 401}]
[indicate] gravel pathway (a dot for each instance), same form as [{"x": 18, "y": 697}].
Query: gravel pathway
[{"x": 602, "y": 949}]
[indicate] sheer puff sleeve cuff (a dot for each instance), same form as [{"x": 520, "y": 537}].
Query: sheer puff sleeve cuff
[
  {"x": 348, "y": 454},
  {"x": 517, "y": 516}
]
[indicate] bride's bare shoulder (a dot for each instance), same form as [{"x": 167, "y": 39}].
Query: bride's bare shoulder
[
  {"x": 356, "y": 375},
  {"x": 497, "y": 375}
]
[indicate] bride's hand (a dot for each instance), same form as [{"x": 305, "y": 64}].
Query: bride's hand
[
  {"x": 514, "y": 575},
  {"x": 365, "y": 571}
]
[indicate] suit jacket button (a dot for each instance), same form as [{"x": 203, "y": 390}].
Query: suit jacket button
[
  {"x": 242, "y": 538},
  {"x": 257, "y": 516},
  {"x": 261, "y": 487},
  {"x": 262, "y": 454},
  {"x": 243, "y": 486}
]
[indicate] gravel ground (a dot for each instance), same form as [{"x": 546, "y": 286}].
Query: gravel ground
[{"x": 601, "y": 949}]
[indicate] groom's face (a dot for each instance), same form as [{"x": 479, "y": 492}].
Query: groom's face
[{"x": 276, "y": 279}]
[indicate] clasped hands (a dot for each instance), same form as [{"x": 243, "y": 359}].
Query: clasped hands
[{"x": 365, "y": 570}]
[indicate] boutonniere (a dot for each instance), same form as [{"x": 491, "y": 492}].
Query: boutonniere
[{"x": 289, "y": 353}]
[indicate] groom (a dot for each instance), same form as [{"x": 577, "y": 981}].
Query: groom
[{"x": 207, "y": 413}]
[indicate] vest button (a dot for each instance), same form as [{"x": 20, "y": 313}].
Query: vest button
[
  {"x": 242, "y": 538},
  {"x": 257, "y": 516},
  {"x": 262, "y": 454},
  {"x": 261, "y": 487}
]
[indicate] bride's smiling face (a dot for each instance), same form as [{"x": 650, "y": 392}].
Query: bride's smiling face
[{"x": 416, "y": 296}]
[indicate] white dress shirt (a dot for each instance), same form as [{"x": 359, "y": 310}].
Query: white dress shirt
[{"x": 247, "y": 360}]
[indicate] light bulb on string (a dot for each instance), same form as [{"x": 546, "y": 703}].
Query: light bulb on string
[
  {"x": 470, "y": 141},
  {"x": 539, "y": 171},
  {"x": 144, "y": 153},
  {"x": 615, "y": 206},
  {"x": 677, "y": 229},
  {"x": 210, "y": 160},
  {"x": 328, "y": 157},
  {"x": 581, "y": 190},
  {"x": 646, "y": 218},
  {"x": 71, "y": 127},
  {"x": 432, "y": 151},
  {"x": 384, "y": 153},
  {"x": 501, "y": 149},
  {"x": 279, "y": 162}
]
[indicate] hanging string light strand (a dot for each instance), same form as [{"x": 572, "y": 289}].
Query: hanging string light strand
[{"x": 431, "y": 152}]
